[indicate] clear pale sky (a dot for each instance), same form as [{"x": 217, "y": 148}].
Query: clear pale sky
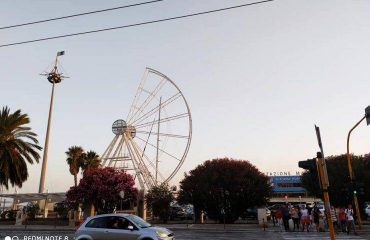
[{"x": 257, "y": 79}]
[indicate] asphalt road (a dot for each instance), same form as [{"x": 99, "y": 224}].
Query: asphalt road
[{"x": 193, "y": 235}]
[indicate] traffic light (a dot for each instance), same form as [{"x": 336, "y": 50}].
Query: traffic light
[
  {"x": 358, "y": 188},
  {"x": 367, "y": 112},
  {"x": 311, "y": 166}
]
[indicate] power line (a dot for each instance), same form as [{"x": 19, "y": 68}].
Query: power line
[
  {"x": 79, "y": 14},
  {"x": 135, "y": 24}
]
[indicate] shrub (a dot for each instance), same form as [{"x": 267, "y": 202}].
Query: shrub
[
  {"x": 62, "y": 209},
  {"x": 31, "y": 210},
  {"x": 9, "y": 214}
]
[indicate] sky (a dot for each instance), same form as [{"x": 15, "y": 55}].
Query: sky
[{"x": 257, "y": 78}]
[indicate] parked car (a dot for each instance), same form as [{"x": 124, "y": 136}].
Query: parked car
[
  {"x": 120, "y": 226},
  {"x": 177, "y": 213},
  {"x": 252, "y": 213},
  {"x": 275, "y": 207}
]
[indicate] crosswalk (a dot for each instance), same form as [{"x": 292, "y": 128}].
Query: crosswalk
[{"x": 316, "y": 236}]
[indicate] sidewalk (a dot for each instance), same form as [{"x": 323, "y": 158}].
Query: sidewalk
[
  {"x": 174, "y": 227},
  {"x": 235, "y": 227},
  {"x": 36, "y": 228}
]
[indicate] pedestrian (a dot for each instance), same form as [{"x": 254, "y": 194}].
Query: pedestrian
[
  {"x": 316, "y": 218},
  {"x": 286, "y": 217},
  {"x": 279, "y": 218},
  {"x": 342, "y": 219},
  {"x": 305, "y": 219},
  {"x": 324, "y": 221},
  {"x": 333, "y": 214},
  {"x": 295, "y": 217},
  {"x": 350, "y": 219},
  {"x": 273, "y": 217}
]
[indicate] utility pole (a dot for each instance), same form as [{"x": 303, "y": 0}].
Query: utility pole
[
  {"x": 157, "y": 160},
  {"x": 53, "y": 77}
]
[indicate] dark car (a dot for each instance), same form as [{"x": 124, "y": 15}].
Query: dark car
[
  {"x": 250, "y": 213},
  {"x": 177, "y": 213}
]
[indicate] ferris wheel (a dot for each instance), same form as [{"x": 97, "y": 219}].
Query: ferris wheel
[{"x": 154, "y": 139}]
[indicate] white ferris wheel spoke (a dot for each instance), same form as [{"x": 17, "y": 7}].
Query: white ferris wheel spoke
[
  {"x": 147, "y": 159},
  {"x": 151, "y": 96},
  {"x": 164, "y": 134},
  {"x": 138, "y": 93},
  {"x": 156, "y": 109},
  {"x": 163, "y": 151},
  {"x": 148, "y": 178},
  {"x": 167, "y": 119}
]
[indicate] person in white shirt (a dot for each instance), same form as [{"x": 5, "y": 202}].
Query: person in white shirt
[
  {"x": 350, "y": 219},
  {"x": 305, "y": 219}
]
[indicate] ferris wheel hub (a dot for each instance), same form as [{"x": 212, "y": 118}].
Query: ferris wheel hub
[{"x": 119, "y": 127}]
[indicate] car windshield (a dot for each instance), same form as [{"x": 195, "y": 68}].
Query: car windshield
[{"x": 138, "y": 221}]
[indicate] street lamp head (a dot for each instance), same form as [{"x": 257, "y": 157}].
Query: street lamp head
[{"x": 54, "y": 77}]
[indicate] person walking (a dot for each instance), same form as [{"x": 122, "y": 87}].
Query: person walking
[
  {"x": 279, "y": 218},
  {"x": 305, "y": 219},
  {"x": 350, "y": 219},
  {"x": 333, "y": 214},
  {"x": 316, "y": 218},
  {"x": 342, "y": 219},
  {"x": 295, "y": 217},
  {"x": 286, "y": 217},
  {"x": 273, "y": 217}
]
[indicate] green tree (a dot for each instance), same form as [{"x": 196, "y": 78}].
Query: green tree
[
  {"x": 18, "y": 145},
  {"x": 224, "y": 186},
  {"x": 340, "y": 189},
  {"x": 91, "y": 160},
  {"x": 158, "y": 201},
  {"x": 75, "y": 160}
]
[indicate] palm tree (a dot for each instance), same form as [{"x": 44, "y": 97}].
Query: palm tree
[
  {"x": 18, "y": 145},
  {"x": 75, "y": 156},
  {"x": 91, "y": 161}
]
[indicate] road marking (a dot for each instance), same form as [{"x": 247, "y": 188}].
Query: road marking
[{"x": 316, "y": 236}]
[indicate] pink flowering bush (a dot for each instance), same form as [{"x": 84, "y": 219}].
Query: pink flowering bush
[{"x": 101, "y": 188}]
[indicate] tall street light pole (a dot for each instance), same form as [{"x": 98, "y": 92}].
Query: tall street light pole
[
  {"x": 351, "y": 173},
  {"x": 54, "y": 77}
]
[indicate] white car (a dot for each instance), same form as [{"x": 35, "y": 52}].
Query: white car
[{"x": 120, "y": 226}]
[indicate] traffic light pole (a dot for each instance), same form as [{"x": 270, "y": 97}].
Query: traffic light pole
[
  {"x": 324, "y": 180},
  {"x": 351, "y": 174},
  {"x": 320, "y": 167}
]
